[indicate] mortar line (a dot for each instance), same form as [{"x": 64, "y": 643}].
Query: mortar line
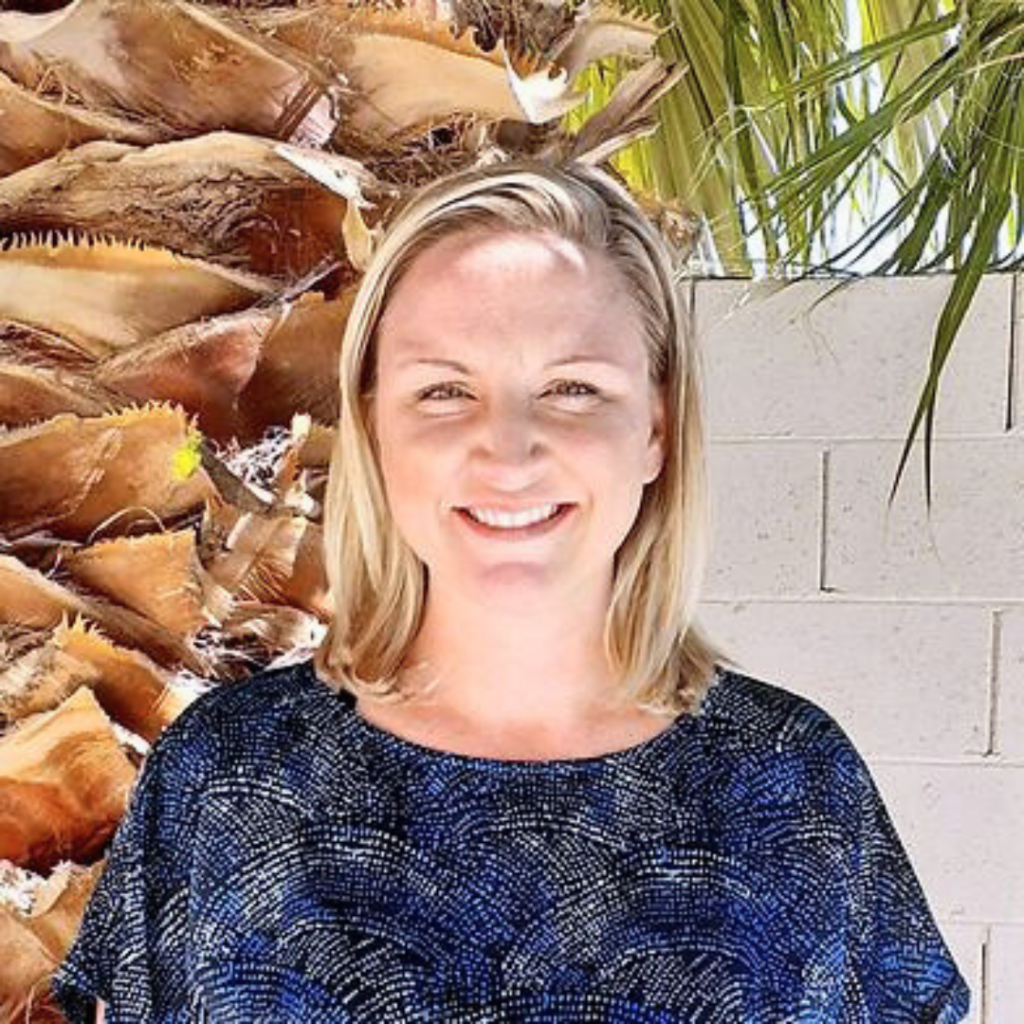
[
  {"x": 1011, "y": 386},
  {"x": 992, "y": 683},
  {"x": 985, "y": 971},
  {"x": 826, "y": 465}
]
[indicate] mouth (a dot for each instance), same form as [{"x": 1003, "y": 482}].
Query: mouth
[{"x": 534, "y": 530}]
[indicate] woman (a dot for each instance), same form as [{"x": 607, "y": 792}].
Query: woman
[{"x": 515, "y": 783}]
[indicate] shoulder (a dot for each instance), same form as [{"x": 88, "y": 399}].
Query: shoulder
[
  {"x": 267, "y": 713},
  {"x": 753, "y": 726},
  {"x": 755, "y": 711},
  {"x": 266, "y": 697}
]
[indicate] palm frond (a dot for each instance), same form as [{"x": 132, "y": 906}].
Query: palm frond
[{"x": 827, "y": 137}]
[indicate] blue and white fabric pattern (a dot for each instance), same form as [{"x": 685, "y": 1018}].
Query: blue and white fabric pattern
[{"x": 284, "y": 860}]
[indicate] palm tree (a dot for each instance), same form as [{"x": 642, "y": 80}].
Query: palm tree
[{"x": 188, "y": 196}]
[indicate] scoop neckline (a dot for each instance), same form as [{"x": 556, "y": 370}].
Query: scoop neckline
[{"x": 405, "y": 748}]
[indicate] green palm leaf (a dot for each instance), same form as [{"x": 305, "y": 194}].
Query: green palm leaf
[{"x": 903, "y": 116}]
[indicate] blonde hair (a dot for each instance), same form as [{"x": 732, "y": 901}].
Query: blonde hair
[{"x": 378, "y": 584}]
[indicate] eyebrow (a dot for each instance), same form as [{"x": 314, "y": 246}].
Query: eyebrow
[{"x": 564, "y": 361}]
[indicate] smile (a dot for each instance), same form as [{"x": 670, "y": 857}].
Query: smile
[{"x": 533, "y": 530}]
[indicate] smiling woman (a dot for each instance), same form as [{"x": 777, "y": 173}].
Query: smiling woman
[
  {"x": 518, "y": 343},
  {"x": 516, "y": 626},
  {"x": 516, "y": 782}
]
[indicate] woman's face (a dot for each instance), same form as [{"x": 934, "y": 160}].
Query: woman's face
[{"x": 550, "y": 403}]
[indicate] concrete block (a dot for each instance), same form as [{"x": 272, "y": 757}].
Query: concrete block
[
  {"x": 855, "y": 364},
  {"x": 966, "y": 944},
  {"x": 973, "y": 545},
  {"x": 1005, "y": 995},
  {"x": 766, "y": 511},
  {"x": 1009, "y": 702},
  {"x": 904, "y": 681},
  {"x": 963, "y": 828}
]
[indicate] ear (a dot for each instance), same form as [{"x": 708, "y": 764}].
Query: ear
[{"x": 655, "y": 456}]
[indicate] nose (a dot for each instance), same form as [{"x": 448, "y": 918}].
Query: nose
[{"x": 509, "y": 434}]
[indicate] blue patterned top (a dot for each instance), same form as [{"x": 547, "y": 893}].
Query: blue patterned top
[{"x": 283, "y": 859}]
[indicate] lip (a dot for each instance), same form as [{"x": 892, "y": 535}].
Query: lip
[
  {"x": 492, "y": 506},
  {"x": 519, "y": 533}
]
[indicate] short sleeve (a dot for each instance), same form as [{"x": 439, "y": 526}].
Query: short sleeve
[
  {"x": 109, "y": 958},
  {"x": 903, "y": 969}
]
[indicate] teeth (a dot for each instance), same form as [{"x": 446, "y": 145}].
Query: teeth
[{"x": 512, "y": 519}]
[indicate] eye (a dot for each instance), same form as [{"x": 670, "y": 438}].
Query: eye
[
  {"x": 587, "y": 390},
  {"x": 428, "y": 393}
]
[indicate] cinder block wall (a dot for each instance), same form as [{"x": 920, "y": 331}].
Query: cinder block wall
[{"x": 908, "y": 630}]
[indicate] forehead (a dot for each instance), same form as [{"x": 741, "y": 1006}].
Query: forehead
[
  {"x": 506, "y": 250},
  {"x": 505, "y": 286}
]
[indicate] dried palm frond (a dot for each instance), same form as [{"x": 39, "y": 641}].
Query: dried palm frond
[
  {"x": 105, "y": 295},
  {"x": 243, "y": 372},
  {"x": 224, "y": 197},
  {"x": 315, "y": 446},
  {"x": 157, "y": 575},
  {"x": 39, "y": 679},
  {"x": 275, "y": 627},
  {"x": 303, "y": 466},
  {"x": 627, "y": 116},
  {"x": 70, "y": 473},
  {"x": 135, "y": 692},
  {"x": 24, "y": 344},
  {"x": 266, "y": 558},
  {"x": 33, "y": 127},
  {"x": 602, "y": 30},
  {"x": 407, "y": 73},
  {"x": 139, "y": 695},
  {"x": 34, "y": 939},
  {"x": 190, "y": 72},
  {"x": 31, "y": 393},
  {"x": 526, "y": 27},
  {"x": 29, "y": 598},
  {"x": 64, "y": 783}
]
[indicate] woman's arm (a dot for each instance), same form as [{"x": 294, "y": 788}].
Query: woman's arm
[{"x": 101, "y": 1009}]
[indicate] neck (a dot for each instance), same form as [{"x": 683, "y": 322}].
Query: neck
[{"x": 508, "y": 668}]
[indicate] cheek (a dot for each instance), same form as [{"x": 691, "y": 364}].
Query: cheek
[
  {"x": 613, "y": 439},
  {"x": 417, "y": 470},
  {"x": 407, "y": 431}
]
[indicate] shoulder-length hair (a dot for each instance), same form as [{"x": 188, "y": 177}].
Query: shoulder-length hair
[{"x": 378, "y": 584}]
